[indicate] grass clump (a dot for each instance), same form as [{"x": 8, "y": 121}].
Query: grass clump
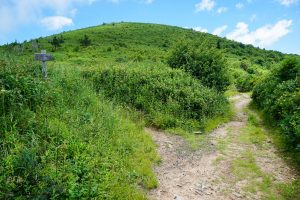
[{"x": 169, "y": 98}]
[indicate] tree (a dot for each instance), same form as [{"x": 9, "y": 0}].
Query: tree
[
  {"x": 61, "y": 39},
  {"x": 55, "y": 42},
  {"x": 208, "y": 65},
  {"x": 219, "y": 44},
  {"x": 85, "y": 41}
]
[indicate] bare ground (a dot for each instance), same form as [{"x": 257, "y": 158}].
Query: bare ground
[{"x": 208, "y": 173}]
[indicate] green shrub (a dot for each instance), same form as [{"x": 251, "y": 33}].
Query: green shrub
[
  {"x": 85, "y": 41},
  {"x": 245, "y": 83},
  {"x": 60, "y": 140},
  {"x": 246, "y": 76},
  {"x": 168, "y": 97},
  {"x": 279, "y": 96},
  {"x": 208, "y": 65}
]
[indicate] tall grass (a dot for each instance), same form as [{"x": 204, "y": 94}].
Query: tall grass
[{"x": 61, "y": 140}]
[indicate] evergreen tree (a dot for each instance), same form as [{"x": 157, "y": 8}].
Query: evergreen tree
[
  {"x": 55, "y": 42},
  {"x": 85, "y": 41}
]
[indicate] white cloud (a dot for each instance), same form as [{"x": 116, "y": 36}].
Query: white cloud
[
  {"x": 219, "y": 30},
  {"x": 222, "y": 10},
  {"x": 239, "y": 5},
  {"x": 14, "y": 13},
  {"x": 205, "y": 5},
  {"x": 287, "y": 2},
  {"x": 200, "y": 29},
  {"x": 56, "y": 22},
  {"x": 263, "y": 36}
]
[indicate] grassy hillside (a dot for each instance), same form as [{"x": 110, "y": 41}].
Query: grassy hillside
[
  {"x": 121, "y": 43},
  {"x": 80, "y": 133},
  {"x": 135, "y": 42}
]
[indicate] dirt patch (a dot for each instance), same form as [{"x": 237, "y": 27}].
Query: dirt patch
[{"x": 207, "y": 173}]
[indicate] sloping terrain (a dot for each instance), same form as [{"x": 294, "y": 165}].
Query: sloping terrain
[
  {"x": 234, "y": 163},
  {"x": 80, "y": 134}
]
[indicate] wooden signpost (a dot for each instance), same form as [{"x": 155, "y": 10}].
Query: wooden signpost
[{"x": 43, "y": 57}]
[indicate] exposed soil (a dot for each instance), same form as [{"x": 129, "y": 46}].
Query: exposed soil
[{"x": 206, "y": 173}]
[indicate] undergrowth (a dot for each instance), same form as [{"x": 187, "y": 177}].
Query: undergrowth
[
  {"x": 59, "y": 139},
  {"x": 168, "y": 98}
]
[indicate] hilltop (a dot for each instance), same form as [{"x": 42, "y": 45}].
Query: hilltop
[{"x": 141, "y": 39}]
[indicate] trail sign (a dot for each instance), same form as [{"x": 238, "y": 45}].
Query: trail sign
[{"x": 43, "y": 57}]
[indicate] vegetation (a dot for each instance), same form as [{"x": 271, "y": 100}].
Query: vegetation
[
  {"x": 208, "y": 65},
  {"x": 56, "y": 42},
  {"x": 278, "y": 94},
  {"x": 80, "y": 134},
  {"x": 61, "y": 140},
  {"x": 85, "y": 41},
  {"x": 169, "y": 98}
]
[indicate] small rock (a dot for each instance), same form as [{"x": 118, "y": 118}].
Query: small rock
[
  {"x": 178, "y": 198},
  {"x": 198, "y": 132},
  {"x": 238, "y": 195}
]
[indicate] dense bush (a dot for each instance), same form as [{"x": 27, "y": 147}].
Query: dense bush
[
  {"x": 246, "y": 75},
  {"x": 60, "y": 140},
  {"x": 245, "y": 83},
  {"x": 168, "y": 97},
  {"x": 279, "y": 96},
  {"x": 208, "y": 65}
]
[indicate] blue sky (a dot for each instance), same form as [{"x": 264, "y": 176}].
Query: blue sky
[{"x": 270, "y": 24}]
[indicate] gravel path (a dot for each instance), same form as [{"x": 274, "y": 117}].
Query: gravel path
[{"x": 206, "y": 173}]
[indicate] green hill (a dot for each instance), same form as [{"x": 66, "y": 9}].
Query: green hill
[
  {"x": 80, "y": 134},
  {"x": 126, "y": 41}
]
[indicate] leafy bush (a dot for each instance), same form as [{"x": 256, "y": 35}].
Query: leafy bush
[
  {"x": 60, "y": 140},
  {"x": 208, "y": 65},
  {"x": 21, "y": 96},
  {"x": 245, "y": 83},
  {"x": 168, "y": 97},
  {"x": 246, "y": 75},
  {"x": 279, "y": 96}
]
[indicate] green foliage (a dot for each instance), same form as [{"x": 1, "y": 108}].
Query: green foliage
[
  {"x": 246, "y": 75},
  {"x": 56, "y": 42},
  {"x": 85, "y": 41},
  {"x": 245, "y": 83},
  {"x": 279, "y": 96},
  {"x": 168, "y": 97},
  {"x": 289, "y": 191},
  {"x": 60, "y": 140},
  {"x": 208, "y": 65}
]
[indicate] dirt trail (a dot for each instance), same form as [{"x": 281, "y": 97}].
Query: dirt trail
[{"x": 208, "y": 173}]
